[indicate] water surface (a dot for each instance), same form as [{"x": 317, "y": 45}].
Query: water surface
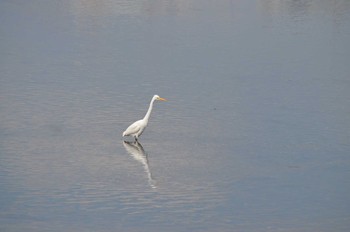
[{"x": 255, "y": 135}]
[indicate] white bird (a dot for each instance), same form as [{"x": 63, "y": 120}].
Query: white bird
[{"x": 139, "y": 126}]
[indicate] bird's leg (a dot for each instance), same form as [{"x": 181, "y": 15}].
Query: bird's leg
[{"x": 136, "y": 139}]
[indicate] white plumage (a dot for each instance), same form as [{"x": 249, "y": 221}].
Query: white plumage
[{"x": 139, "y": 126}]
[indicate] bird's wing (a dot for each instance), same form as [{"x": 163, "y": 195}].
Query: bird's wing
[{"x": 133, "y": 128}]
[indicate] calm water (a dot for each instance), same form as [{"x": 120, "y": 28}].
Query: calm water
[{"x": 255, "y": 135}]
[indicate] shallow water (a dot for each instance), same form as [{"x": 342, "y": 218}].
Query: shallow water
[{"x": 255, "y": 135}]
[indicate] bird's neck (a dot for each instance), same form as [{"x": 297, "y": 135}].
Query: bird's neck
[{"x": 148, "y": 114}]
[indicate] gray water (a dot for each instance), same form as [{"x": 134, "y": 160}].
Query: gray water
[{"x": 255, "y": 135}]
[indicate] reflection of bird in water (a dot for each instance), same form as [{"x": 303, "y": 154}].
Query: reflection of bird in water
[
  {"x": 136, "y": 150},
  {"x": 139, "y": 126}
]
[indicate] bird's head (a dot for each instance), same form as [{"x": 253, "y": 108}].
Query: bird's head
[{"x": 156, "y": 97}]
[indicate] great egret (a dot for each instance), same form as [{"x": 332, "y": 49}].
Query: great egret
[{"x": 139, "y": 126}]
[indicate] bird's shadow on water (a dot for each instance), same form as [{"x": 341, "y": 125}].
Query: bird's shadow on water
[{"x": 135, "y": 149}]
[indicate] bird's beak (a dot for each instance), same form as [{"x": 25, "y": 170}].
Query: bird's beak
[{"x": 162, "y": 99}]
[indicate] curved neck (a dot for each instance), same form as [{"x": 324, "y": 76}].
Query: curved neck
[{"x": 148, "y": 114}]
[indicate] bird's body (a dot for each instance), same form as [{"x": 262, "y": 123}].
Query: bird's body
[{"x": 137, "y": 128}]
